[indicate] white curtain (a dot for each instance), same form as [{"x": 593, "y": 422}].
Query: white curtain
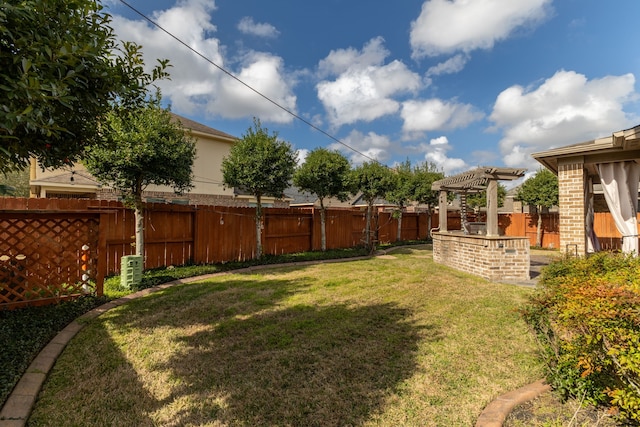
[
  {"x": 620, "y": 186},
  {"x": 593, "y": 244}
]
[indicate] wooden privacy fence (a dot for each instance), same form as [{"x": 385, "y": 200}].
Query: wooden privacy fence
[{"x": 51, "y": 249}]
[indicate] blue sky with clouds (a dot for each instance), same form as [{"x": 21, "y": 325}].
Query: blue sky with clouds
[{"x": 460, "y": 83}]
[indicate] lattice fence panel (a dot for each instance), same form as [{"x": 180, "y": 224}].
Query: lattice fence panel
[{"x": 46, "y": 258}]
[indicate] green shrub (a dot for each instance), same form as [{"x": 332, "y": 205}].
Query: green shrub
[{"x": 587, "y": 316}]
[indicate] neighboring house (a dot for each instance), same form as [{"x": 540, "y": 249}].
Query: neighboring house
[
  {"x": 303, "y": 199},
  {"x": 212, "y": 146}
]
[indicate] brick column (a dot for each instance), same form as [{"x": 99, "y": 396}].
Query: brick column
[{"x": 571, "y": 182}]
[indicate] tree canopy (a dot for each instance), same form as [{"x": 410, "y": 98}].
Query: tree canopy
[
  {"x": 324, "y": 173},
  {"x": 262, "y": 165},
  {"x": 259, "y": 163},
  {"x": 479, "y": 200},
  {"x": 372, "y": 180},
  {"x": 424, "y": 175},
  {"x": 541, "y": 190},
  {"x": 59, "y": 75},
  {"x": 144, "y": 147},
  {"x": 401, "y": 189}
]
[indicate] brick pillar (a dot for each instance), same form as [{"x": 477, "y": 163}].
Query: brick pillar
[{"x": 571, "y": 182}]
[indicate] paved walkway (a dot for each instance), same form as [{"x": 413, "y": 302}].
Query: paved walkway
[{"x": 17, "y": 408}]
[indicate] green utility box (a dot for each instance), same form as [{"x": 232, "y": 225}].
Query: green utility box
[{"x": 130, "y": 271}]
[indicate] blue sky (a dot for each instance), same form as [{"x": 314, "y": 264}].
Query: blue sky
[{"x": 460, "y": 83}]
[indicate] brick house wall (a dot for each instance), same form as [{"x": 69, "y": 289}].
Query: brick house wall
[{"x": 571, "y": 185}]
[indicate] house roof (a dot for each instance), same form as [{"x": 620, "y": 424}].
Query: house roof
[
  {"x": 621, "y": 145},
  {"x": 200, "y": 128}
]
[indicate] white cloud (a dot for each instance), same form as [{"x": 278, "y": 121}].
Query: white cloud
[
  {"x": 341, "y": 60},
  {"x": 248, "y": 26},
  {"x": 436, "y": 152},
  {"x": 364, "y": 86},
  {"x": 372, "y": 145},
  {"x": 565, "y": 109},
  {"x": 446, "y": 26},
  {"x": 450, "y": 66},
  {"x": 436, "y": 114},
  {"x": 195, "y": 84},
  {"x": 302, "y": 156}
]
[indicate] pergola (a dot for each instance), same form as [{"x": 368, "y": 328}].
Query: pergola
[{"x": 475, "y": 181}]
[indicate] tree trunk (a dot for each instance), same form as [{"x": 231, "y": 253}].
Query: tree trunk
[
  {"x": 139, "y": 218},
  {"x": 399, "y": 232},
  {"x": 429, "y": 224},
  {"x": 258, "y": 226},
  {"x": 323, "y": 227},
  {"x": 367, "y": 228},
  {"x": 539, "y": 230}
]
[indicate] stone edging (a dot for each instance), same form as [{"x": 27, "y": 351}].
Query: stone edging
[{"x": 497, "y": 411}]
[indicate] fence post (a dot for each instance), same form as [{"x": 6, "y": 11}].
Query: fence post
[{"x": 101, "y": 269}]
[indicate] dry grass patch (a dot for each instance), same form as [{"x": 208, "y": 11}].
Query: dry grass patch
[{"x": 384, "y": 342}]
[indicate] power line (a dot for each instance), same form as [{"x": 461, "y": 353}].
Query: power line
[{"x": 303, "y": 120}]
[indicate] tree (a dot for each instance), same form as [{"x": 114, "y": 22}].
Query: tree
[
  {"x": 541, "y": 191},
  {"x": 372, "y": 180},
  {"x": 401, "y": 191},
  {"x": 262, "y": 165},
  {"x": 425, "y": 175},
  {"x": 145, "y": 147},
  {"x": 325, "y": 174},
  {"x": 59, "y": 79},
  {"x": 478, "y": 200}
]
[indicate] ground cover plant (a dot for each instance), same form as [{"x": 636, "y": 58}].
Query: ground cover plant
[
  {"x": 391, "y": 340},
  {"x": 25, "y": 331},
  {"x": 586, "y": 316}
]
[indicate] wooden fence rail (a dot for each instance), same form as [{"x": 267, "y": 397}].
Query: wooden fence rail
[{"x": 41, "y": 240}]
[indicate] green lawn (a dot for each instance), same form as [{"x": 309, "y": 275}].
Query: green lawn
[{"x": 391, "y": 341}]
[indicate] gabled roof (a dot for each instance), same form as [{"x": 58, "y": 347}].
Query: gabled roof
[
  {"x": 200, "y": 128},
  {"x": 621, "y": 145}
]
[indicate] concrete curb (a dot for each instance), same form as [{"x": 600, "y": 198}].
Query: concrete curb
[{"x": 497, "y": 411}]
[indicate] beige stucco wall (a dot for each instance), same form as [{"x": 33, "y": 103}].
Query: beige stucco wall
[{"x": 207, "y": 171}]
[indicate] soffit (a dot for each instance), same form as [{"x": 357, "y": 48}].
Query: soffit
[{"x": 621, "y": 145}]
